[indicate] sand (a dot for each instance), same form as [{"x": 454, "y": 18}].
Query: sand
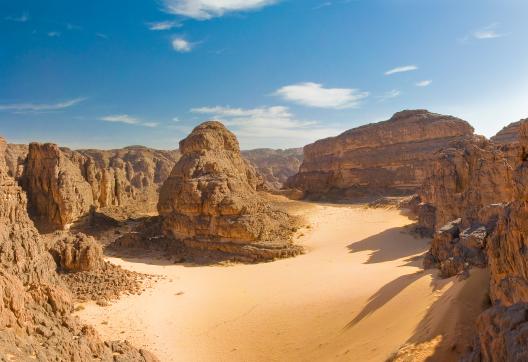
[{"x": 358, "y": 294}]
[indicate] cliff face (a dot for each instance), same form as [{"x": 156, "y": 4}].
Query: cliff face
[
  {"x": 386, "y": 158},
  {"x": 275, "y": 166},
  {"x": 58, "y": 193},
  {"x": 63, "y": 185},
  {"x": 36, "y": 321},
  {"x": 210, "y": 200}
]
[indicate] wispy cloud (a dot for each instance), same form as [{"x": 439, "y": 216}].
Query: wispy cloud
[
  {"x": 322, "y": 5},
  {"x": 101, "y": 35},
  {"x": 120, "y": 118},
  {"x": 268, "y": 126},
  {"x": 40, "y": 106},
  {"x": 163, "y": 25},
  {"x": 207, "y": 9},
  {"x": 54, "y": 34},
  {"x": 488, "y": 32},
  {"x": 402, "y": 69},
  {"x": 315, "y": 95},
  {"x": 389, "y": 95},
  {"x": 181, "y": 45},
  {"x": 20, "y": 19},
  {"x": 125, "y": 118},
  {"x": 424, "y": 83}
]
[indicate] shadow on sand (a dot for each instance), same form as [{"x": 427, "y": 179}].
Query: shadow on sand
[{"x": 389, "y": 245}]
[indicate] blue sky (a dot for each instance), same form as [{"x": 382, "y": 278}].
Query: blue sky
[{"x": 279, "y": 73}]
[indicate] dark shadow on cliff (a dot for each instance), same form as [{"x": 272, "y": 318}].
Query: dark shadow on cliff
[{"x": 389, "y": 245}]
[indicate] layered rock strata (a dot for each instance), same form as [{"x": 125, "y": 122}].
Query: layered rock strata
[
  {"x": 36, "y": 321},
  {"x": 210, "y": 201},
  {"x": 381, "y": 159}
]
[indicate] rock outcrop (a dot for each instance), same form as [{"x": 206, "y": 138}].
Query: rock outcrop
[
  {"x": 36, "y": 321},
  {"x": 509, "y": 134},
  {"x": 65, "y": 185},
  {"x": 462, "y": 179},
  {"x": 210, "y": 200},
  {"x": 381, "y": 159},
  {"x": 58, "y": 193},
  {"x": 15, "y": 156},
  {"x": 275, "y": 166},
  {"x": 76, "y": 252}
]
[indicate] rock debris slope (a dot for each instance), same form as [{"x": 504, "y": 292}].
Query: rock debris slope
[
  {"x": 210, "y": 201},
  {"x": 36, "y": 321},
  {"x": 380, "y": 159}
]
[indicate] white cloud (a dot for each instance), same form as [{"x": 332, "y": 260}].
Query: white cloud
[
  {"x": 181, "y": 45},
  {"x": 126, "y": 119},
  {"x": 150, "y": 124},
  {"x": 120, "y": 118},
  {"x": 389, "y": 95},
  {"x": 402, "y": 69},
  {"x": 40, "y": 106},
  {"x": 176, "y": 119},
  {"x": 101, "y": 35},
  {"x": 54, "y": 34},
  {"x": 163, "y": 25},
  {"x": 20, "y": 19},
  {"x": 488, "y": 32},
  {"x": 424, "y": 83},
  {"x": 268, "y": 126},
  {"x": 207, "y": 9},
  {"x": 314, "y": 95}
]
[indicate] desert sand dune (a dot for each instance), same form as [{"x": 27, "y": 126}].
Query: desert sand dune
[{"x": 358, "y": 294}]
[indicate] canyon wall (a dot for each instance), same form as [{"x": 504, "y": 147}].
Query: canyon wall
[
  {"x": 380, "y": 159},
  {"x": 36, "y": 321},
  {"x": 275, "y": 166},
  {"x": 210, "y": 201}
]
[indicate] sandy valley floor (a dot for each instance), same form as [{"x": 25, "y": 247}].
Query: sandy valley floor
[{"x": 358, "y": 294}]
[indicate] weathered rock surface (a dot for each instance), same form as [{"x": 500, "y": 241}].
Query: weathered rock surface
[
  {"x": 275, "y": 166},
  {"x": 35, "y": 310},
  {"x": 509, "y": 134},
  {"x": 58, "y": 193},
  {"x": 76, "y": 252},
  {"x": 462, "y": 179},
  {"x": 381, "y": 159},
  {"x": 210, "y": 200},
  {"x": 64, "y": 185},
  {"x": 15, "y": 156}
]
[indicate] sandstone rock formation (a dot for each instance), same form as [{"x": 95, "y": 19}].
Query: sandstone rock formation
[
  {"x": 275, "y": 166},
  {"x": 64, "y": 185},
  {"x": 15, "y": 156},
  {"x": 463, "y": 178},
  {"x": 77, "y": 252},
  {"x": 210, "y": 200},
  {"x": 58, "y": 193},
  {"x": 509, "y": 134},
  {"x": 381, "y": 159},
  {"x": 35, "y": 311}
]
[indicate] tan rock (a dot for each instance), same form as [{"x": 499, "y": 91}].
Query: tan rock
[
  {"x": 77, "y": 252},
  {"x": 381, "y": 159},
  {"x": 210, "y": 201}
]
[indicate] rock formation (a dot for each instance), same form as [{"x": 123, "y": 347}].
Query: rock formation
[
  {"x": 15, "y": 157},
  {"x": 58, "y": 193},
  {"x": 35, "y": 311},
  {"x": 75, "y": 253},
  {"x": 64, "y": 185},
  {"x": 381, "y": 159},
  {"x": 275, "y": 166},
  {"x": 210, "y": 200},
  {"x": 509, "y": 134}
]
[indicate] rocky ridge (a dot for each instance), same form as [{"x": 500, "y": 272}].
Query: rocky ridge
[
  {"x": 36, "y": 319},
  {"x": 210, "y": 201},
  {"x": 381, "y": 159},
  {"x": 275, "y": 166}
]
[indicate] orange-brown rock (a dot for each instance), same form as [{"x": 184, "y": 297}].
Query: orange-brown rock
[
  {"x": 58, "y": 193},
  {"x": 15, "y": 157},
  {"x": 210, "y": 201},
  {"x": 462, "y": 179},
  {"x": 76, "y": 252},
  {"x": 35, "y": 310},
  {"x": 275, "y": 166},
  {"x": 387, "y": 158}
]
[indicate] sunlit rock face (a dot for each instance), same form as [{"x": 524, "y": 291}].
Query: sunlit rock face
[
  {"x": 385, "y": 158},
  {"x": 210, "y": 201}
]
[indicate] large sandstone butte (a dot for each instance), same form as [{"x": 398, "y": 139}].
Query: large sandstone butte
[
  {"x": 210, "y": 201},
  {"x": 64, "y": 185},
  {"x": 275, "y": 166},
  {"x": 36, "y": 321},
  {"x": 381, "y": 159}
]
